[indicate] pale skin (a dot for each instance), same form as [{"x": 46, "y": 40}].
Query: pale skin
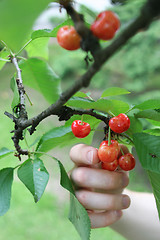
[{"x": 108, "y": 203}]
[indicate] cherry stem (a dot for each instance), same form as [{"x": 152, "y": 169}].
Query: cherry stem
[
  {"x": 82, "y": 119},
  {"x": 122, "y": 151},
  {"x": 109, "y": 136}
]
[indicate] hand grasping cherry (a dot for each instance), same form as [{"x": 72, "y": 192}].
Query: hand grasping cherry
[{"x": 109, "y": 150}]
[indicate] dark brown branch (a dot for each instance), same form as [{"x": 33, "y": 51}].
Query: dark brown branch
[
  {"x": 145, "y": 18},
  {"x": 18, "y": 131},
  {"x": 65, "y": 113},
  {"x": 89, "y": 41},
  {"x": 10, "y": 116},
  {"x": 148, "y": 13}
]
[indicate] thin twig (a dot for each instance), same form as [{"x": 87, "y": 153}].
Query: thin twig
[{"x": 19, "y": 81}]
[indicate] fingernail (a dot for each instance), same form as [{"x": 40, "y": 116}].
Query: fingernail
[
  {"x": 125, "y": 201},
  {"x": 125, "y": 181},
  {"x": 90, "y": 157}
]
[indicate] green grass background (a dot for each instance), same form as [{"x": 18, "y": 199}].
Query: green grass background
[{"x": 46, "y": 219}]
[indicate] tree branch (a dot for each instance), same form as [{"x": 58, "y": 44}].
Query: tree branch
[
  {"x": 141, "y": 22},
  {"x": 18, "y": 131},
  {"x": 23, "y": 113},
  {"x": 148, "y": 13}
]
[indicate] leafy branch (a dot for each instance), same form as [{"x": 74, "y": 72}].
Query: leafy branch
[{"x": 148, "y": 13}]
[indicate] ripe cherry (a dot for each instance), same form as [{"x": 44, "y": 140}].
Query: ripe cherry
[
  {"x": 127, "y": 162},
  {"x": 105, "y": 25},
  {"x": 110, "y": 166},
  {"x": 108, "y": 153},
  {"x": 120, "y": 123},
  {"x": 80, "y": 129},
  {"x": 68, "y": 38}
]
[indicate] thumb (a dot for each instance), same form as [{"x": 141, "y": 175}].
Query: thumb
[{"x": 82, "y": 154}]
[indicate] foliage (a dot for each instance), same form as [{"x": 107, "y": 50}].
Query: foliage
[{"x": 36, "y": 73}]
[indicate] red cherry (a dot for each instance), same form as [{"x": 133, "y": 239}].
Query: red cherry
[
  {"x": 110, "y": 166},
  {"x": 105, "y": 25},
  {"x": 108, "y": 153},
  {"x": 120, "y": 123},
  {"x": 127, "y": 162},
  {"x": 80, "y": 129},
  {"x": 68, "y": 38}
]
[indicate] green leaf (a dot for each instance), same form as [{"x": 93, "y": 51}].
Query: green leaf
[
  {"x": 80, "y": 102},
  {"x": 6, "y": 180},
  {"x": 3, "y": 56},
  {"x": 118, "y": 107},
  {"x": 149, "y": 114},
  {"x": 41, "y": 33},
  {"x": 34, "y": 176},
  {"x": 63, "y": 136},
  {"x": 38, "y": 48},
  {"x": 48, "y": 32},
  {"x": 80, "y": 94},
  {"x": 79, "y": 218},
  {"x": 114, "y": 106},
  {"x": 114, "y": 91},
  {"x": 154, "y": 131},
  {"x": 38, "y": 74},
  {"x": 53, "y": 138},
  {"x": 154, "y": 180},
  {"x": 14, "y": 88},
  {"x": 17, "y": 18},
  {"x": 135, "y": 126},
  {"x": 149, "y": 104},
  {"x": 154, "y": 123},
  {"x": 4, "y": 152},
  {"x": 148, "y": 150},
  {"x": 65, "y": 180},
  {"x": 77, "y": 215}
]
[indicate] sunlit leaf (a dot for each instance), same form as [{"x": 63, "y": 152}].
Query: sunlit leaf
[
  {"x": 48, "y": 32},
  {"x": 38, "y": 48},
  {"x": 149, "y": 104},
  {"x": 4, "y": 152},
  {"x": 4, "y": 56},
  {"x": 114, "y": 91},
  {"x": 39, "y": 75}
]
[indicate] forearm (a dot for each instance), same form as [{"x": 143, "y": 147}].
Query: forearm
[{"x": 140, "y": 221}]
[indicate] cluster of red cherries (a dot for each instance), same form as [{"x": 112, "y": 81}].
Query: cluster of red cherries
[
  {"x": 104, "y": 27},
  {"x": 109, "y": 152}
]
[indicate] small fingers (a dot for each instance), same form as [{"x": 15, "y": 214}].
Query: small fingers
[
  {"x": 101, "y": 201},
  {"x": 104, "y": 219},
  {"x": 82, "y": 154},
  {"x": 99, "y": 179}
]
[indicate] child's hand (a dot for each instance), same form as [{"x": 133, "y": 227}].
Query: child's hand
[{"x": 98, "y": 190}]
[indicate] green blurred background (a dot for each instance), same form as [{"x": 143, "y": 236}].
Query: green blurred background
[{"x": 135, "y": 67}]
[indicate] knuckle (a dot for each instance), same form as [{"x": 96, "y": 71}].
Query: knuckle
[
  {"x": 79, "y": 176},
  {"x": 81, "y": 196},
  {"x": 111, "y": 181}
]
